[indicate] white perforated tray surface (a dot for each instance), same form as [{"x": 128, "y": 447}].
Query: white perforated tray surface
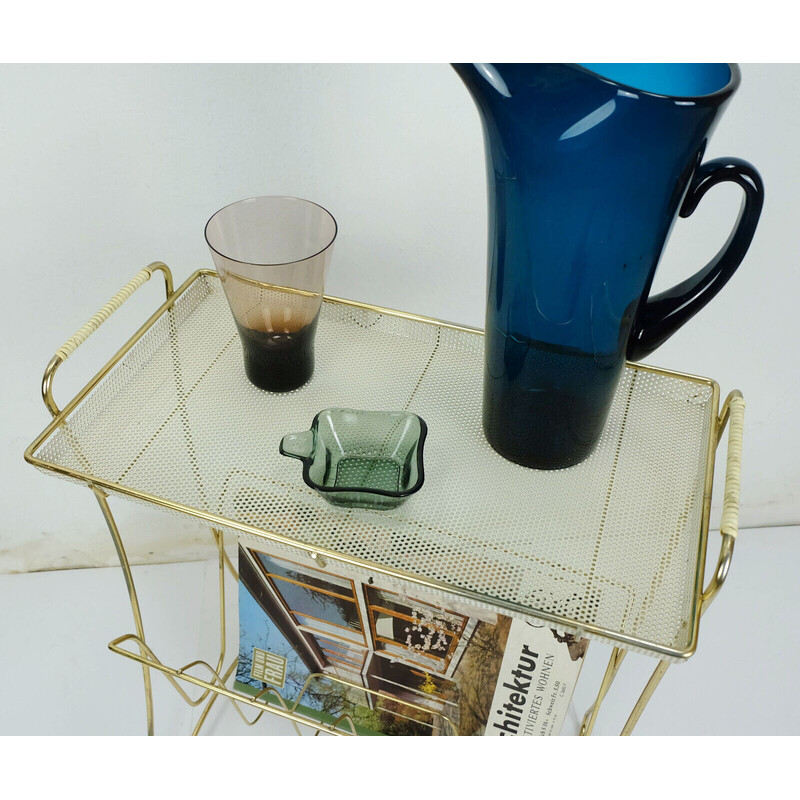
[{"x": 611, "y": 547}]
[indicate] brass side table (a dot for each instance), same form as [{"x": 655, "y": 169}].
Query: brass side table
[{"x": 613, "y": 549}]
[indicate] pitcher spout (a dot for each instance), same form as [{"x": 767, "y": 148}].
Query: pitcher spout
[{"x": 483, "y": 78}]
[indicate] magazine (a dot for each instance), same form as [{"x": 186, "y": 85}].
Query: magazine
[{"x": 380, "y": 658}]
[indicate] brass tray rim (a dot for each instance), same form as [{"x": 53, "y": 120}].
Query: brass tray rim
[{"x": 583, "y": 628}]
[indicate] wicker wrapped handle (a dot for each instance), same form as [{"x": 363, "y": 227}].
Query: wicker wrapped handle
[
  {"x": 732, "y": 415},
  {"x": 85, "y": 331}
]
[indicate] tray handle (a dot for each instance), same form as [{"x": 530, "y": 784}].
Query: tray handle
[
  {"x": 732, "y": 415},
  {"x": 83, "y": 333}
]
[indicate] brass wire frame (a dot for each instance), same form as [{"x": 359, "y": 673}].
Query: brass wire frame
[
  {"x": 732, "y": 411},
  {"x": 322, "y": 554},
  {"x": 734, "y": 405}
]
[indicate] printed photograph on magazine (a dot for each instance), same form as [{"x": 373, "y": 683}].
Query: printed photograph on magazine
[{"x": 375, "y": 660}]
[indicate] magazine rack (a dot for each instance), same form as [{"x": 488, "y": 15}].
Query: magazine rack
[{"x": 613, "y": 549}]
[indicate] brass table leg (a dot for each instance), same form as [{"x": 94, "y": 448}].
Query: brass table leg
[
  {"x": 617, "y": 655},
  {"x": 137, "y": 616},
  {"x": 731, "y": 415},
  {"x": 223, "y": 560},
  {"x": 644, "y": 698}
]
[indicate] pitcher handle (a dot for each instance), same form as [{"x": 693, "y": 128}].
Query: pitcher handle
[{"x": 664, "y": 313}]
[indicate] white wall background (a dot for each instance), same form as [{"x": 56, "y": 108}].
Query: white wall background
[{"x": 106, "y": 168}]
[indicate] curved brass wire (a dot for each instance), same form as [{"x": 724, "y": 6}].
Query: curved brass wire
[
  {"x": 148, "y": 658},
  {"x": 248, "y": 722},
  {"x": 375, "y": 693},
  {"x": 219, "y": 541},
  {"x": 210, "y": 704},
  {"x": 271, "y": 690},
  {"x": 344, "y": 718}
]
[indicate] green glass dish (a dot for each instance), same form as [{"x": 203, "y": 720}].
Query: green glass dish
[{"x": 361, "y": 459}]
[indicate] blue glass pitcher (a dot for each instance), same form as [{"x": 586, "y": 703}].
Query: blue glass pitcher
[{"x": 588, "y": 167}]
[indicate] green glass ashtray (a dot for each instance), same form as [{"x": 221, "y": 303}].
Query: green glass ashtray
[{"x": 361, "y": 459}]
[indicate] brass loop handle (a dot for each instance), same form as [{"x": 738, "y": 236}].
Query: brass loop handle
[
  {"x": 84, "y": 332},
  {"x": 731, "y": 415}
]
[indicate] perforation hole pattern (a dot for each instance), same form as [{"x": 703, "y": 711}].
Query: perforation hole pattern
[{"x": 612, "y": 544}]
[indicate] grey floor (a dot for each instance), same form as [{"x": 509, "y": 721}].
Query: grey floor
[{"x": 65, "y": 681}]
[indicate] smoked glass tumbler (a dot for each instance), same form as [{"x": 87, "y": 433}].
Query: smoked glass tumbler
[{"x": 272, "y": 255}]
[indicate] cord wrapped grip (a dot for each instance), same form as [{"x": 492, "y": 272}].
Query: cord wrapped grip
[
  {"x": 85, "y": 331},
  {"x": 733, "y": 472}
]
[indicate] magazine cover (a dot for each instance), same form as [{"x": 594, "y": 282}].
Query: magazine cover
[{"x": 389, "y": 661}]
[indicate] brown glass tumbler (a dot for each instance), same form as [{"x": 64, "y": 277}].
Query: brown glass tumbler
[{"x": 272, "y": 254}]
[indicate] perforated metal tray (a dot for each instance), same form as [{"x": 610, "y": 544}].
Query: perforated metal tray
[{"x": 613, "y": 548}]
